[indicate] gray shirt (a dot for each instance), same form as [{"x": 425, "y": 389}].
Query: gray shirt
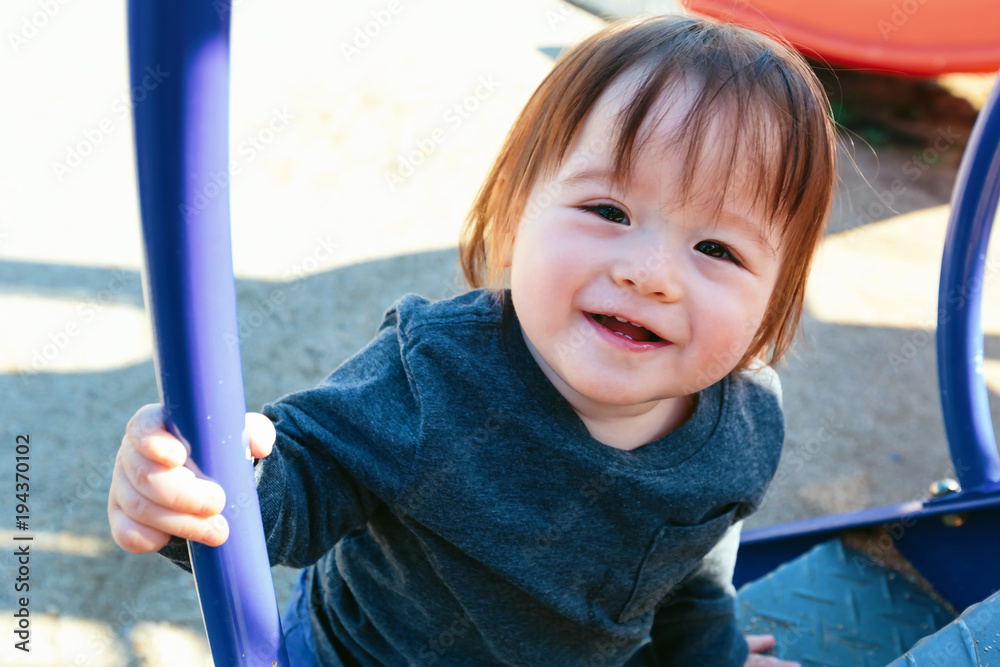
[{"x": 454, "y": 509}]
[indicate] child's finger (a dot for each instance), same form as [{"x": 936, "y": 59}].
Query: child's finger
[
  {"x": 176, "y": 489},
  {"x": 131, "y": 536},
  {"x": 147, "y": 419},
  {"x": 760, "y": 643},
  {"x": 160, "y": 446},
  {"x": 262, "y": 434},
  {"x": 756, "y": 660},
  {"x": 146, "y": 434},
  {"x": 212, "y": 530}
]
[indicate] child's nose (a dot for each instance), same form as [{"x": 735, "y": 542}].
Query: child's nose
[{"x": 651, "y": 271}]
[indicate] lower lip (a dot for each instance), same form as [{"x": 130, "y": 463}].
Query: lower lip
[{"x": 622, "y": 342}]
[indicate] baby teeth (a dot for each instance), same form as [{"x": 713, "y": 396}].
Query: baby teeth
[{"x": 622, "y": 319}]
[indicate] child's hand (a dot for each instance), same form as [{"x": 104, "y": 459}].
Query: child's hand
[
  {"x": 157, "y": 491},
  {"x": 759, "y": 644}
]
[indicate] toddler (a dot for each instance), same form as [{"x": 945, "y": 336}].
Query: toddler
[{"x": 554, "y": 473}]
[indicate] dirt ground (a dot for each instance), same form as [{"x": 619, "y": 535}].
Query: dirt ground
[{"x": 344, "y": 209}]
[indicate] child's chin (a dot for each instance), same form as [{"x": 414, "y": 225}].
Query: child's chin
[{"x": 621, "y": 397}]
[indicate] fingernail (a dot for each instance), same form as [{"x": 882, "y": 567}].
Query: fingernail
[{"x": 218, "y": 529}]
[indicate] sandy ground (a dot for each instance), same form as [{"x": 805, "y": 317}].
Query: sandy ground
[{"x": 357, "y": 162}]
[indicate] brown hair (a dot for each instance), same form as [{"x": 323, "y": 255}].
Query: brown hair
[{"x": 778, "y": 116}]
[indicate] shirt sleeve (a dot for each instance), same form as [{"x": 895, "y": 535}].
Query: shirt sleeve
[
  {"x": 343, "y": 451},
  {"x": 696, "y": 625}
]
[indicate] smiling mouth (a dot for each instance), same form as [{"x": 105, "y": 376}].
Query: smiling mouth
[{"x": 624, "y": 328}]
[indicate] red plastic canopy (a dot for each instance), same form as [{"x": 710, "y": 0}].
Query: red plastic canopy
[{"x": 914, "y": 37}]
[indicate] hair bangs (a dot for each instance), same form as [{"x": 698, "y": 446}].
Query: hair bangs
[{"x": 763, "y": 132}]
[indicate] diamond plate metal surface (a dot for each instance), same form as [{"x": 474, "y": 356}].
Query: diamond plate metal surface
[
  {"x": 971, "y": 640},
  {"x": 834, "y": 607}
]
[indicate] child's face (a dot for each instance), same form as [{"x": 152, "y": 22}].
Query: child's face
[{"x": 695, "y": 278}]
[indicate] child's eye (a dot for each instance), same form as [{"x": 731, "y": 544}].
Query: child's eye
[
  {"x": 717, "y": 250},
  {"x": 608, "y": 212}
]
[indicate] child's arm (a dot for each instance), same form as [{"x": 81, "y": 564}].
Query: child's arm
[
  {"x": 158, "y": 494},
  {"x": 340, "y": 452},
  {"x": 697, "y": 624}
]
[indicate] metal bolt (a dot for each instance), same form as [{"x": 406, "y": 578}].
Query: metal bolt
[{"x": 944, "y": 486}]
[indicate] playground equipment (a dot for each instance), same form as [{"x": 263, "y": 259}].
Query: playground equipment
[
  {"x": 915, "y": 37},
  {"x": 798, "y": 576},
  {"x": 182, "y": 153}
]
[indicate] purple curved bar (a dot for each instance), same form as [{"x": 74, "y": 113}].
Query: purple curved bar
[
  {"x": 179, "y": 57},
  {"x": 964, "y": 399}
]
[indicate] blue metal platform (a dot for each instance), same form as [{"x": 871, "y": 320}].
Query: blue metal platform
[
  {"x": 836, "y": 607},
  {"x": 971, "y": 640}
]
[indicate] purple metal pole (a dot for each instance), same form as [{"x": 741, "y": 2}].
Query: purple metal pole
[
  {"x": 179, "y": 57},
  {"x": 959, "y": 330}
]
